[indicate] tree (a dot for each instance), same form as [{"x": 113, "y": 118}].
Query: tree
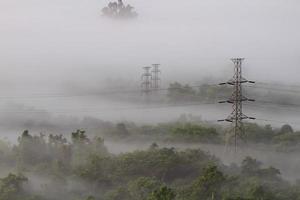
[
  {"x": 31, "y": 150},
  {"x": 208, "y": 186},
  {"x": 178, "y": 92},
  {"x": 163, "y": 193},
  {"x": 60, "y": 151},
  {"x": 286, "y": 129},
  {"x": 122, "y": 130},
  {"x": 140, "y": 188},
  {"x": 250, "y": 166},
  {"x": 258, "y": 192},
  {"x": 256, "y": 133},
  {"x": 91, "y": 198},
  {"x": 119, "y": 10},
  {"x": 120, "y": 193},
  {"x": 79, "y": 137},
  {"x": 11, "y": 187},
  {"x": 194, "y": 132},
  {"x": 83, "y": 147}
]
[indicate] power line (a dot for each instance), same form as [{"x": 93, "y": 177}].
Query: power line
[
  {"x": 276, "y": 89},
  {"x": 278, "y": 104},
  {"x": 114, "y": 109},
  {"x": 278, "y": 84},
  {"x": 272, "y": 120},
  {"x": 108, "y": 92},
  {"x": 285, "y": 104},
  {"x": 94, "y": 110}
]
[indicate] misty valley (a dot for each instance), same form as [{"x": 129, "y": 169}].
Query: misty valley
[
  {"x": 164, "y": 145},
  {"x": 149, "y": 100}
]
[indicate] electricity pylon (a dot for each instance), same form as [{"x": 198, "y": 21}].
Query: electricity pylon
[
  {"x": 237, "y": 98},
  {"x": 155, "y": 76},
  {"x": 146, "y": 81}
]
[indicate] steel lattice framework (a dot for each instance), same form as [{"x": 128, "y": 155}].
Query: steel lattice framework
[
  {"x": 146, "y": 80},
  {"x": 237, "y": 98},
  {"x": 155, "y": 76}
]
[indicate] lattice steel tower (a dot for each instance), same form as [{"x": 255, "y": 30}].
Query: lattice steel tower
[
  {"x": 146, "y": 80},
  {"x": 237, "y": 98},
  {"x": 155, "y": 76}
]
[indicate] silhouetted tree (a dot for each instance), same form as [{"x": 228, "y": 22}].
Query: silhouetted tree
[{"x": 119, "y": 10}]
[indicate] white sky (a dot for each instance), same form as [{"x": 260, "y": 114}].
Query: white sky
[{"x": 51, "y": 43}]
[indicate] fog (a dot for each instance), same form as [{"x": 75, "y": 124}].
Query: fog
[
  {"x": 49, "y": 45},
  {"x": 58, "y": 47},
  {"x": 57, "y": 56}
]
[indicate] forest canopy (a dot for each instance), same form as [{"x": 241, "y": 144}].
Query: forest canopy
[{"x": 49, "y": 167}]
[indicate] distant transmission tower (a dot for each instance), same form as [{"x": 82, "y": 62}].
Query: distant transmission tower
[
  {"x": 146, "y": 81},
  {"x": 237, "y": 99},
  {"x": 155, "y": 76}
]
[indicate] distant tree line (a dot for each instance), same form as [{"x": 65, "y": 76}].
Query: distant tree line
[{"x": 193, "y": 129}]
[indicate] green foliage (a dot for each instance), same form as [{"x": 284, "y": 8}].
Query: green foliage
[
  {"x": 32, "y": 150},
  {"x": 83, "y": 147},
  {"x": 258, "y": 134},
  {"x": 192, "y": 129},
  {"x": 257, "y": 191},
  {"x": 198, "y": 132},
  {"x": 286, "y": 129},
  {"x": 98, "y": 169},
  {"x": 91, "y": 198},
  {"x": 141, "y": 187},
  {"x": 152, "y": 174},
  {"x": 122, "y": 130},
  {"x": 287, "y": 142},
  {"x": 11, "y": 188},
  {"x": 79, "y": 137},
  {"x": 163, "y": 193},
  {"x": 120, "y": 193},
  {"x": 250, "y": 166},
  {"x": 208, "y": 185},
  {"x": 6, "y": 154},
  {"x": 178, "y": 92},
  {"x": 142, "y": 169}
]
